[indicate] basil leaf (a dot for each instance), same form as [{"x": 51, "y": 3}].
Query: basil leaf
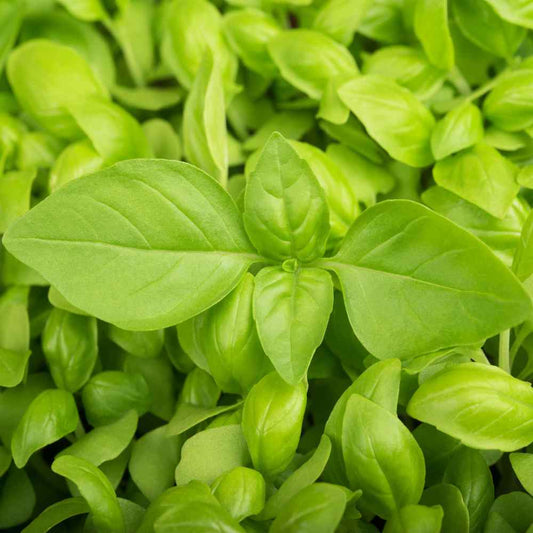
[
  {"x": 109, "y": 395},
  {"x": 523, "y": 468},
  {"x": 154, "y": 458},
  {"x": 164, "y": 141},
  {"x": 446, "y": 401},
  {"x": 469, "y": 472},
  {"x": 49, "y": 417},
  {"x": 512, "y": 512},
  {"x": 96, "y": 490},
  {"x": 241, "y": 491},
  {"x": 495, "y": 35},
  {"x": 392, "y": 116},
  {"x": 515, "y": 11},
  {"x": 204, "y": 124},
  {"x": 17, "y": 499},
  {"x": 459, "y": 129},
  {"x": 285, "y": 209},
  {"x": 70, "y": 348},
  {"x": 308, "y": 60},
  {"x": 301, "y": 478},
  {"x": 415, "y": 519},
  {"x": 449, "y": 497},
  {"x": 272, "y": 421},
  {"x": 138, "y": 343},
  {"x": 104, "y": 443},
  {"x": 380, "y": 289},
  {"x": 57, "y": 513},
  {"x": 174, "y": 196},
  {"x": 431, "y": 28},
  {"x": 318, "y": 507},
  {"x": 211, "y": 453},
  {"x": 509, "y": 105},
  {"x": 15, "y": 195},
  {"x": 382, "y": 458},
  {"x": 284, "y": 301}
]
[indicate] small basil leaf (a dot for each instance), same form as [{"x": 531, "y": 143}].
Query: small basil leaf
[
  {"x": 459, "y": 129},
  {"x": 308, "y": 60},
  {"x": 449, "y": 497},
  {"x": 446, "y": 401},
  {"x": 415, "y": 519},
  {"x": 15, "y": 195},
  {"x": 204, "y": 123},
  {"x": 285, "y": 209},
  {"x": 272, "y": 421},
  {"x": 301, "y": 478},
  {"x": 241, "y": 491},
  {"x": 211, "y": 453},
  {"x": 510, "y": 513},
  {"x": 283, "y": 302},
  {"x": 109, "y": 395},
  {"x": 431, "y": 28},
  {"x": 154, "y": 458},
  {"x": 469, "y": 472},
  {"x": 17, "y": 499},
  {"x": 164, "y": 141},
  {"x": 392, "y": 116},
  {"x": 318, "y": 507},
  {"x": 523, "y": 468},
  {"x": 57, "y": 513},
  {"x": 96, "y": 489},
  {"x": 70, "y": 347},
  {"x": 139, "y": 343},
  {"x": 104, "y": 443},
  {"x": 381, "y": 456},
  {"x": 49, "y": 417}
]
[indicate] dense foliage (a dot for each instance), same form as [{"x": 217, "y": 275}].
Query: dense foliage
[{"x": 267, "y": 266}]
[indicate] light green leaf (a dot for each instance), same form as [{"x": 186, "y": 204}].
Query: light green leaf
[
  {"x": 139, "y": 343},
  {"x": 248, "y": 32},
  {"x": 340, "y": 18},
  {"x": 11, "y": 14},
  {"x": 90, "y": 10},
  {"x": 204, "y": 123},
  {"x": 318, "y": 507},
  {"x": 56, "y": 513},
  {"x": 15, "y": 195},
  {"x": 241, "y": 491},
  {"x": 119, "y": 268},
  {"x": 272, "y": 421},
  {"x": 147, "y": 98},
  {"x": 516, "y": 11},
  {"x": 211, "y": 453},
  {"x": 494, "y": 35},
  {"x": 464, "y": 401},
  {"x": 392, "y": 116},
  {"x": 308, "y": 60},
  {"x": 523, "y": 468},
  {"x": 382, "y": 457},
  {"x": 96, "y": 489},
  {"x": 49, "y": 417},
  {"x": 188, "y": 415},
  {"x": 47, "y": 78},
  {"x": 399, "y": 269},
  {"x": 459, "y": 129},
  {"x": 510, "y": 513},
  {"x": 292, "y": 308},
  {"x": 70, "y": 346},
  {"x": 285, "y": 209},
  {"x": 415, "y": 519},
  {"x": 384, "y": 21},
  {"x": 469, "y": 472},
  {"x": 153, "y": 460},
  {"x": 510, "y": 104},
  {"x": 431, "y": 28},
  {"x": 304, "y": 476},
  {"x": 480, "y": 175},
  {"x": 449, "y": 497},
  {"x": 104, "y": 443},
  {"x": 109, "y": 395},
  {"x": 163, "y": 139},
  {"x": 409, "y": 67}
]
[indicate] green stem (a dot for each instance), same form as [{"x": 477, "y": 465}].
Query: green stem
[
  {"x": 459, "y": 81},
  {"x": 503, "y": 353},
  {"x": 520, "y": 337}
]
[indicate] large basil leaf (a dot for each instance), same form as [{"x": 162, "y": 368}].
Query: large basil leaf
[
  {"x": 464, "y": 401},
  {"x": 381, "y": 456},
  {"x": 392, "y": 116},
  {"x": 398, "y": 268},
  {"x": 516, "y": 11},
  {"x": 285, "y": 209},
  {"x": 92, "y": 241},
  {"x": 292, "y": 308}
]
